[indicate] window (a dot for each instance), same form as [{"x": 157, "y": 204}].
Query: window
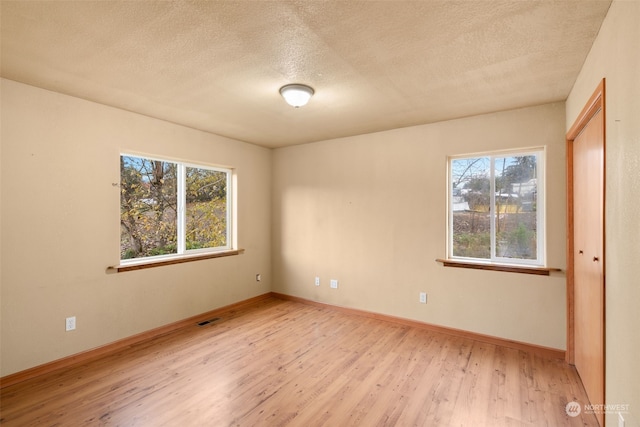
[
  {"x": 170, "y": 208},
  {"x": 496, "y": 208}
]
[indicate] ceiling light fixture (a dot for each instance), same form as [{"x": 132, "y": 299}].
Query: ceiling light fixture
[{"x": 296, "y": 95}]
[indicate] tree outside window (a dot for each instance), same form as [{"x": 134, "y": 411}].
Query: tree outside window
[
  {"x": 495, "y": 207},
  {"x": 169, "y": 208}
]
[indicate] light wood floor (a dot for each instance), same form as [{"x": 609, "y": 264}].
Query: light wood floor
[{"x": 283, "y": 363}]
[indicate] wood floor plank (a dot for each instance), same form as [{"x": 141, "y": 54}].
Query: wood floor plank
[{"x": 283, "y": 363}]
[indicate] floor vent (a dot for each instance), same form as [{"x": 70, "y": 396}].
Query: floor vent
[{"x": 207, "y": 322}]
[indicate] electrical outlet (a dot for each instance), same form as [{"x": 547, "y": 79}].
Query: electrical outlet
[
  {"x": 70, "y": 323},
  {"x": 317, "y": 282},
  {"x": 334, "y": 284},
  {"x": 423, "y": 297},
  {"x": 258, "y": 277}
]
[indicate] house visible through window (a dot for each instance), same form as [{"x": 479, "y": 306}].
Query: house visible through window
[
  {"x": 496, "y": 208},
  {"x": 171, "y": 208}
]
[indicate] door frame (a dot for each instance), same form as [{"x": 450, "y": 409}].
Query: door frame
[{"x": 594, "y": 104}]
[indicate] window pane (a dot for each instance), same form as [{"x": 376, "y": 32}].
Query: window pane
[
  {"x": 515, "y": 207},
  {"x": 206, "y": 209},
  {"x": 470, "y": 200},
  {"x": 147, "y": 207}
]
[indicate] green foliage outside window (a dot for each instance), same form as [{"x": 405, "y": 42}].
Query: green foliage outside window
[
  {"x": 150, "y": 218},
  {"x": 494, "y": 207},
  {"x": 206, "y": 225}
]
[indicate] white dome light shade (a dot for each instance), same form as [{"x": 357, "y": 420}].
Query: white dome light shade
[{"x": 296, "y": 95}]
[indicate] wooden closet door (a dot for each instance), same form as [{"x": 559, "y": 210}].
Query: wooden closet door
[{"x": 588, "y": 235}]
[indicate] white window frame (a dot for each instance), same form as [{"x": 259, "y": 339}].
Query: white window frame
[
  {"x": 181, "y": 195},
  {"x": 540, "y": 261}
]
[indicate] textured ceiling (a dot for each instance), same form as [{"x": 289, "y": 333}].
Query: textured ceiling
[{"x": 218, "y": 65}]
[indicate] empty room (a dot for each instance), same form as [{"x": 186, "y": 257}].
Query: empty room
[{"x": 320, "y": 213}]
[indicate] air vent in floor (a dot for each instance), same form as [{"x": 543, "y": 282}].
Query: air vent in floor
[{"x": 208, "y": 322}]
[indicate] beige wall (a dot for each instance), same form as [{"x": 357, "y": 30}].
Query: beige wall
[
  {"x": 615, "y": 56},
  {"x": 60, "y": 227},
  {"x": 370, "y": 211}
]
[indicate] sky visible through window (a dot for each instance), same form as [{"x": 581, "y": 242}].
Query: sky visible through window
[
  {"x": 494, "y": 207},
  {"x": 152, "y": 220}
]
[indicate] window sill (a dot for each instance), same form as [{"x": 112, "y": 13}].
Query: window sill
[
  {"x": 540, "y": 271},
  {"x": 175, "y": 260}
]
